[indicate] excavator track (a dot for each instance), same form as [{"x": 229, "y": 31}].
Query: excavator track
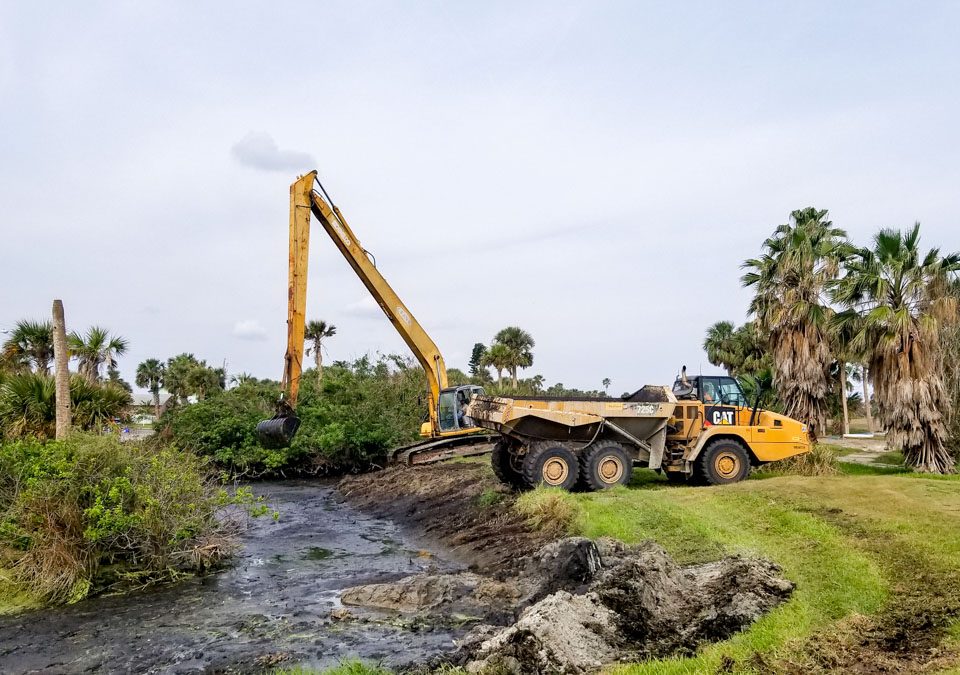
[{"x": 440, "y": 449}]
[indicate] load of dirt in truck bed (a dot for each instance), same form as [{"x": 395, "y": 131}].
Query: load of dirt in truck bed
[{"x": 566, "y": 606}]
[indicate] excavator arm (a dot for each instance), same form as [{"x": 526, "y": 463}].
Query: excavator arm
[{"x": 304, "y": 200}]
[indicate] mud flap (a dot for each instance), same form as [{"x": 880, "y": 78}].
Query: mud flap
[{"x": 657, "y": 444}]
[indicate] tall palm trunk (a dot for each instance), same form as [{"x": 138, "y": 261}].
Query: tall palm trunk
[
  {"x": 62, "y": 371},
  {"x": 866, "y": 400},
  {"x": 843, "y": 398},
  {"x": 156, "y": 402},
  {"x": 513, "y": 374}
]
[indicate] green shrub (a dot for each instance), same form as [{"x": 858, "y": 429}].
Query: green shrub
[
  {"x": 91, "y": 511},
  {"x": 350, "y": 420}
]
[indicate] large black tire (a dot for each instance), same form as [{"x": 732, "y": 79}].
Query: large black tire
[
  {"x": 551, "y": 464},
  {"x": 605, "y": 465},
  {"x": 723, "y": 461},
  {"x": 500, "y": 460}
]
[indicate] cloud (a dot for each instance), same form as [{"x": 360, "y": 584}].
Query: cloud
[
  {"x": 249, "y": 329},
  {"x": 364, "y": 308},
  {"x": 258, "y": 150}
]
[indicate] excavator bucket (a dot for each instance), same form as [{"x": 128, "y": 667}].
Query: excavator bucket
[{"x": 278, "y": 431}]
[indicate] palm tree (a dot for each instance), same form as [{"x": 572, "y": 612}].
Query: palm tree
[
  {"x": 150, "y": 377},
  {"x": 536, "y": 382},
  {"x": 864, "y": 376},
  {"x": 176, "y": 376},
  {"x": 30, "y": 343},
  {"x": 721, "y": 347},
  {"x": 519, "y": 344},
  {"x": 241, "y": 379},
  {"x": 95, "y": 349},
  {"x": 499, "y": 357},
  {"x": 317, "y": 332},
  {"x": 606, "y": 384},
  {"x": 791, "y": 279},
  {"x": 739, "y": 351},
  {"x": 897, "y": 300},
  {"x": 203, "y": 380}
]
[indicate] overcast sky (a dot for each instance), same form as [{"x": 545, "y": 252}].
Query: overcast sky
[{"x": 593, "y": 172}]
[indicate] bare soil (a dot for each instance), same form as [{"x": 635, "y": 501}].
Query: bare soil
[{"x": 459, "y": 504}]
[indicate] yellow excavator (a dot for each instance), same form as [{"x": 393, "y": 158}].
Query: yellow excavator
[{"x": 447, "y": 432}]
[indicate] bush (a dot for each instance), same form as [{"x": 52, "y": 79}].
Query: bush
[
  {"x": 350, "y": 420},
  {"x": 91, "y": 512}
]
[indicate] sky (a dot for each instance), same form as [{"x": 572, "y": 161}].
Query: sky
[{"x": 594, "y": 172}]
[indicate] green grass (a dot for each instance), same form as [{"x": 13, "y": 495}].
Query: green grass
[
  {"x": 348, "y": 667},
  {"x": 12, "y": 597},
  {"x": 889, "y": 457},
  {"x": 850, "y": 542},
  {"x": 839, "y": 450},
  {"x": 489, "y": 497}
]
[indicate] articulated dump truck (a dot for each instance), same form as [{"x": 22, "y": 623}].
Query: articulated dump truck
[{"x": 702, "y": 430}]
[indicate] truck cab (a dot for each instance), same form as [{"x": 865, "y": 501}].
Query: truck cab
[{"x": 721, "y": 395}]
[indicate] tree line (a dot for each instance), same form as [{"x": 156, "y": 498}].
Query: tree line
[{"x": 825, "y": 311}]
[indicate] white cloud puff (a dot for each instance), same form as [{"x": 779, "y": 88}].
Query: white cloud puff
[
  {"x": 249, "y": 329},
  {"x": 258, "y": 150}
]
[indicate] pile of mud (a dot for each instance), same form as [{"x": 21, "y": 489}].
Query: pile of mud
[{"x": 576, "y": 605}]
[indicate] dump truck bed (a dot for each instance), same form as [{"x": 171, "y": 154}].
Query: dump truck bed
[{"x": 638, "y": 418}]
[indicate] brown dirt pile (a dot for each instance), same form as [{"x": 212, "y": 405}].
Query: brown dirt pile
[
  {"x": 576, "y": 605},
  {"x": 637, "y": 604}
]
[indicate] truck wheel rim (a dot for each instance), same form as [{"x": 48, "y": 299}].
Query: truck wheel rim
[
  {"x": 555, "y": 471},
  {"x": 610, "y": 469},
  {"x": 728, "y": 465}
]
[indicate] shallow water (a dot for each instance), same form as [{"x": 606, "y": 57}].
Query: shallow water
[{"x": 273, "y": 602}]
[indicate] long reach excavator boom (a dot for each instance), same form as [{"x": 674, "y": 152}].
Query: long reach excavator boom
[{"x": 304, "y": 201}]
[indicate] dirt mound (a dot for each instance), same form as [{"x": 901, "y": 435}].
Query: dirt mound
[
  {"x": 576, "y": 605},
  {"x": 638, "y": 604},
  {"x": 461, "y": 505}
]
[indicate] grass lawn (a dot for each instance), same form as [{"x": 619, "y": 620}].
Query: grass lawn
[{"x": 872, "y": 551}]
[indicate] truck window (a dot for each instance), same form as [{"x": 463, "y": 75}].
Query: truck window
[
  {"x": 731, "y": 393},
  {"x": 709, "y": 390}
]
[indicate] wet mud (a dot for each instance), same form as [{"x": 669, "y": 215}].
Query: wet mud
[{"x": 272, "y": 607}]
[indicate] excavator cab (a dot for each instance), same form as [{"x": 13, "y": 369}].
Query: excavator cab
[{"x": 451, "y": 407}]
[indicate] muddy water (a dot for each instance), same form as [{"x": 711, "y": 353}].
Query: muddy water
[{"x": 273, "y": 604}]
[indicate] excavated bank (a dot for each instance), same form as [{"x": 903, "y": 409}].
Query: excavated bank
[
  {"x": 459, "y": 504},
  {"x": 567, "y": 606}
]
